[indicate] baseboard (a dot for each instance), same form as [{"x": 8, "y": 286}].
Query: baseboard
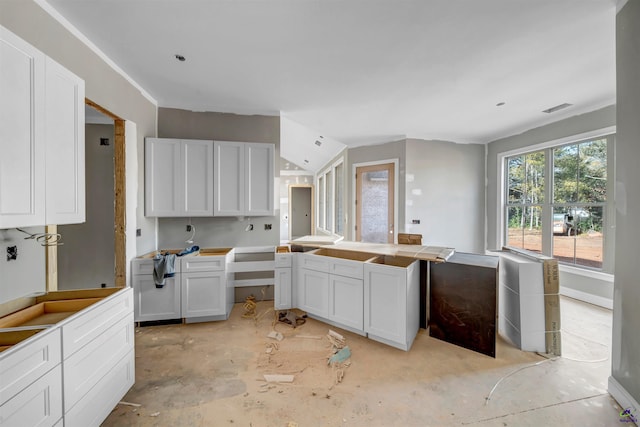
[
  {"x": 586, "y": 297},
  {"x": 624, "y": 399}
]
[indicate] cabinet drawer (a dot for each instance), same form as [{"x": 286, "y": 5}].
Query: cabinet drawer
[
  {"x": 95, "y": 406},
  {"x": 85, "y": 368},
  {"x": 145, "y": 266},
  {"x": 203, "y": 263},
  {"x": 347, "y": 268},
  {"x": 314, "y": 262},
  {"x": 283, "y": 260},
  {"x": 28, "y": 361},
  {"x": 40, "y": 404},
  {"x": 90, "y": 323}
]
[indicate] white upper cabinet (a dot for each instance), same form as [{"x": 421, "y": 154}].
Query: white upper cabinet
[
  {"x": 22, "y": 113},
  {"x": 178, "y": 177},
  {"x": 65, "y": 170},
  {"x": 41, "y": 138},
  {"x": 244, "y": 179}
]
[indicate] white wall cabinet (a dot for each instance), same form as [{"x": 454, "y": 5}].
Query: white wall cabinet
[
  {"x": 41, "y": 138},
  {"x": 178, "y": 177},
  {"x": 392, "y": 301},
  {"x": 244, "y": 179},
  {"x": 65, "y": 146}
]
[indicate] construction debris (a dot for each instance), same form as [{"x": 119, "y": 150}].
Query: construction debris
[
  {"x": 275, "y": 335},
  {"x": 122, "y": 402},
  {"x": 340, "y": 356},
  {"x": 291, "y": 318},
  {"x": 278, "y": 378},
  {"x": 250, "y": 307},
  {"x": 336, "y": 340}
]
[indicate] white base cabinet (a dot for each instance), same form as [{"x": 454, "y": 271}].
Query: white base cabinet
[
  {"x": 74, "y": 372},
  {"x": 282, "y": 291},
  {"x": 392, "y": 301},
  {"x": 313, "y": 295},
  {"x": 346, "y": 301}
]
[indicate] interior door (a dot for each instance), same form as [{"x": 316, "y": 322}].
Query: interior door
[
  {"x": 300, "y": 211},
  {"x": 374, "y": 203}
]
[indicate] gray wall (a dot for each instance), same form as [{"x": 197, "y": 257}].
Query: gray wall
[
  {"x": 103, "y": 85},
  {"x": 391, "y": 150},
  {"x": 626, "y": 316},
  {"x": 24, "y": 275},
  {"x": 86, "y": 260},
  {"x": 220, "y": 232},
  {"x": 445, "y": 191}
]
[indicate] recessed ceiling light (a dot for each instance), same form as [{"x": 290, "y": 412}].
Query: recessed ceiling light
[
  {"x": 500, "y": 104},
  {"x": 306, "y": 161},
  {"x": 556, "y": 108},
  {"x": 180, "y": 57},
  {"x": 318, "y": 143}
]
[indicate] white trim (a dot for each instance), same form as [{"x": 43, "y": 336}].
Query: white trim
[
  {"x": 396, "y": 163},
  {"x": 284, "y": 172},
  {"x": 599, "y": 275},
  {"x": 622, "y": 396},
  {"x": 587, "y": 297},
  {"x": 44, "y": 4}
]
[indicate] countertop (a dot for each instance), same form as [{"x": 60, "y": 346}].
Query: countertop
[{"x": 426, "y": 253}]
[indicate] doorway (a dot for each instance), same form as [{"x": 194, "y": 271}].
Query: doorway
[
  {"x": 375, "y": 202},
  {"x": 300, "y": 210},
  {"x": 117, "y": 218}
]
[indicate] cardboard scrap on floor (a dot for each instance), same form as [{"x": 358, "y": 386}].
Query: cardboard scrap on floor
[{"x": 275, "y": 335}]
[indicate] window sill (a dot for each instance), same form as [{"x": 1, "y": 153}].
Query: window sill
[{"x": 605, "y": 277}]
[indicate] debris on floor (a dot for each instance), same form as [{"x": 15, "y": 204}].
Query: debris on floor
[
  {"x": 122, "y": 402},
  {"x": 291, "y": 318},
  {"x": 336, "y": 340},
  {"x": 340, "y": 356},
  {"x": 250, "y": 307},
  {"x": 278, "y": 378},
  {"x": 155, "y": 414},
  {"x": 275, "y": 335}
]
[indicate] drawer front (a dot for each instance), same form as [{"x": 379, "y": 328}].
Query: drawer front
[
  {"x": 40, "y": 404},
  {"x": 347, "y": 268},
  {"x": 97, "y": 404},
  {"x": 92, "y": 322},
  {"x": 28, "y": 361},
  {"x": 145, "y": 266},
  {"x": 203, "y": 263},
  {"x": 283, "y": 260},
  {"x": 314, "y": 262},
  {"x": 85, "y": 368}
]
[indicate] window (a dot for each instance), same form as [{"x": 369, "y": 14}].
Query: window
[
  {"x": 563, "y": 216},
  {"x": 330, "y": 199}
]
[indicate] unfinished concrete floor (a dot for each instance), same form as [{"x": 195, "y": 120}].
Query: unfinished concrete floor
[{"x": 211, "y": 374}]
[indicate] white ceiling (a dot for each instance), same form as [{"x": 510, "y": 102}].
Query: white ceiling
[{"x": 363, "y": 72}]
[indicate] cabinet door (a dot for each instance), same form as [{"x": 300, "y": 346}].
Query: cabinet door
[
  {"x": 153, "y": 303},
  {"x": 229, "y": 179},
  {"x": 65, "y": 203},
  {"x": 163, "y": 191},
  {"x": 345, "y": 301},
  {"x": 385, "y": 302},
  {"x": 22, "y": 163},
  {"x": 203, "y": 294},
  {"x": 197, "y": 173},
  {"x": 259, "y": 162},
  {"x": 282, "y": 288},
  {"x": 314, "y": 292}
]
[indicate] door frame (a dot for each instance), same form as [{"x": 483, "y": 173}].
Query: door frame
[
  {"x": 354, "y": 211},
  {"x": 120, "y": 203},
  {"x": 313, "y": 207}
]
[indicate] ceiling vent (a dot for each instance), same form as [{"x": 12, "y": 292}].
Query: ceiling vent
[{"x": 556, "y": 108}]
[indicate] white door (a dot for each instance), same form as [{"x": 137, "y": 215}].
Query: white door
[
  {"x": 203, "y": 294},
  {"x": 197, "y": 172},
  {"x": 22, "y": 113},
  {"x": 153, "y": 303},
  {"x": 282, "y": 288},
  {"x": 314, "y": 296},
  {"x": 345, "y": 301}
]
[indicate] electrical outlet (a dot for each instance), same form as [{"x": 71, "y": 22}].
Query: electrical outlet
[
  {"x": 138, "y": 232},
  {"x": 267, "y": 226},
  {"x": 12, "y": 253},
  {"x": 188, "y": 227},
  {"x": 415, "y": 221}
]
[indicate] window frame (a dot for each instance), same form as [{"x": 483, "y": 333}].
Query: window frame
[
  {"x": 327, "y": 206},
  {"x": 548, "y": 204}
]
